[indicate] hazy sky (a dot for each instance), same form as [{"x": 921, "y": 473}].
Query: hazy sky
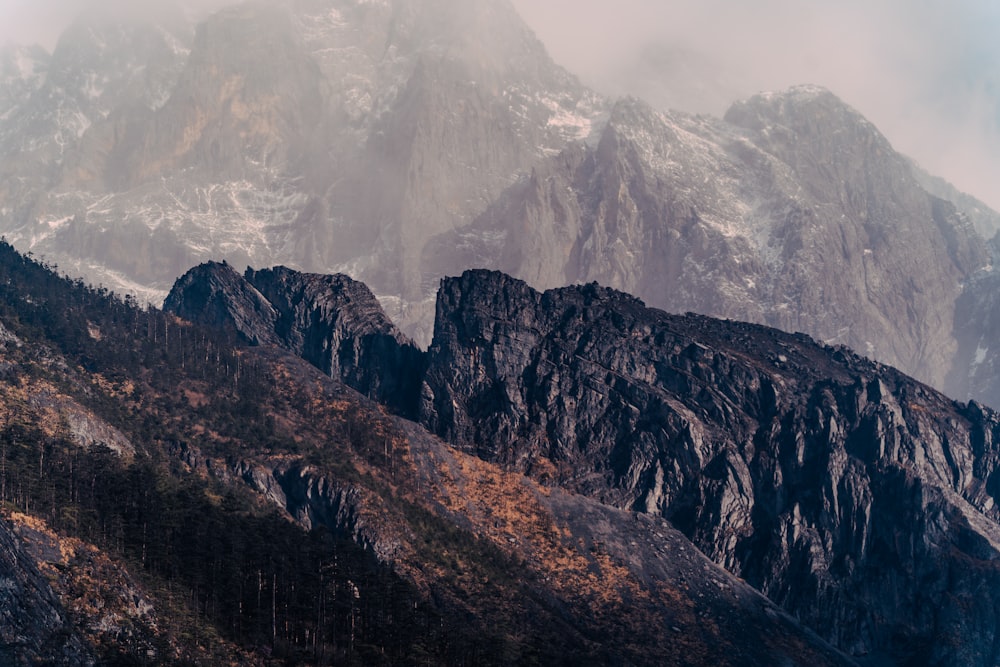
[
  {"x": 926, "y": 72},
  {"x": 41, "y": 21},
  {"x": 22, "y": 21}
]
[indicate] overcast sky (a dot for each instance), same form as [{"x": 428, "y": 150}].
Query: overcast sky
[{"x": 926, "y": 72}]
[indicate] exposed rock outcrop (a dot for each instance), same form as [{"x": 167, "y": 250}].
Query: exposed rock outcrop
[
  {"x": 333, "y": 322},
  {"x": 637, "y": 590},
  {"x": 416, "y": 550},
  {"x": 405, "y": 140},
  {"x": 34, "y": 627},
  {"x": 215, "y": 295},
  {"x": 793, "y": 211},
  {"x": 860, "y": 500},
  {"x": 788, "y": 462}
]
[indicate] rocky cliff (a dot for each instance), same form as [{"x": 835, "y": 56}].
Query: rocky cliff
[
  {"x": 267, "y": 512},
  {"x": 34, "y": 626},
  {"x": 333, "y": 322},
  {"x": 860, "y": 500},
  {"x": 976, "y": 371},
  {"x": 635, "y": 588}
]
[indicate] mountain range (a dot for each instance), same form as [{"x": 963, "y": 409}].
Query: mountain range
[
  {"x": 399, "y": 142},
  {"x": 173, "y": 497},
  {"x": 537, "y": 376},
  {"x": 575, "y": 477},
  {"x": 858, "y": 499}
]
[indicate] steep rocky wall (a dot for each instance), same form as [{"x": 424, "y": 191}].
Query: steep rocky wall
[
  {"x": 333, "y": 322},
  {"x": 976, "y": 372},
  {"x": 636, "y": 588},
  {"x": 34, "y": 628},
  {"x": 855, "y": 497},
  {"x": 793, "y": 211},
  {"x": 861, "y": 501}
]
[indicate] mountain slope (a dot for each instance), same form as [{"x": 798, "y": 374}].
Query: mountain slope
[
  {"x": 859, "y": 500},
  {"x": 264, "y": 509}
]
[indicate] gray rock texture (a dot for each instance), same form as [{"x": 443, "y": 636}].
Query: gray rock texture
[
  {"x": 679, "y": 608},
  {"x": 34, "y": 626},
  {"x": 402, "y": 141},
  {"x": 860, "y": 500},
  {"x": 333, "y": 322},
  {"x": 976, "y": 371},
  {"x": 793, "y": 212}
]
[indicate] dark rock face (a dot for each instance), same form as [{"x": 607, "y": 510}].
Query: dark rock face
[
  {"x": 491, "y": 566},
  {"x": 333, "y": 322},
  {"x": 337, "y": 325},
  {"x": 34, "y": 628},
  {"x": 216, "y": 295},
  {"x": 858, "y": 499}
]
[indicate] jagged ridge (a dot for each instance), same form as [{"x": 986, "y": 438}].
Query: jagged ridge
[
  {"x": 859, "y": 499},
  {"x": 418, "y": 553},
  {"x": 333, "y": 322}
]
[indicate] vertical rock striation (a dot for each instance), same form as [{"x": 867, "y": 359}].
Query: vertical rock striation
[
  {"x": 333, "y": 322},
  {"x": 861, "y": 501}
]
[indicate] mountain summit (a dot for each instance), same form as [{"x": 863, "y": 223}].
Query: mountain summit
[
  {"x": 402, "y": 141},
  {"x": 860, "y": 500}
]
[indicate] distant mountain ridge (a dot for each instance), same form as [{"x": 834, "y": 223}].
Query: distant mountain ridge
[{"x": 403, "y": 141}]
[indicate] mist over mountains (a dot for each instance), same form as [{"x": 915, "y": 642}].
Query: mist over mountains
[
  {"x": 400, "y": 142},
  {"x": 925, "y": 74},
  {"x": 475, "y": 364}
]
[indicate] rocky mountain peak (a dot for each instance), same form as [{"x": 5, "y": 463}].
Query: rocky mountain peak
[
  {"x": 332, "y": 321},
  {"x": 216, "y": 295},
  {"x": 794, "y": 212},
  {"x": 251, "y": 466},
  {"x": 800, "y": 102},
  {"x": 827, "y": 142},
  {"x": 847, "y": 492},
  {"x": 402, "y": 141},
  {"x": 843, "y": 489},
  {"x": 330, "y": 297}
]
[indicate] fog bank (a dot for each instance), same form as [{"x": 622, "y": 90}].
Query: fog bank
[{"x": 927, "y": 73}]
